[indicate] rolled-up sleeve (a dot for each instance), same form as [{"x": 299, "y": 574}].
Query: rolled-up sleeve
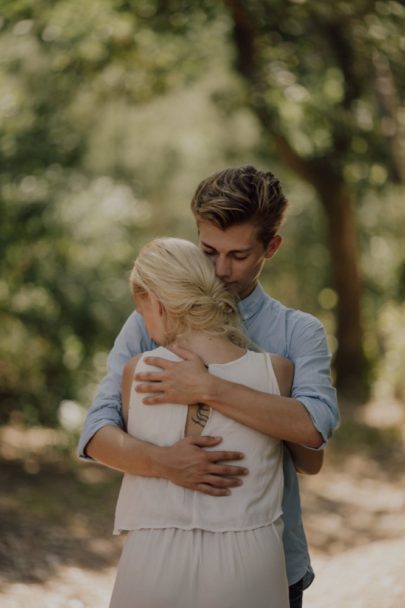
[
  {"x": 106, "y": 407},
  {"x": 312, "y": 381}
]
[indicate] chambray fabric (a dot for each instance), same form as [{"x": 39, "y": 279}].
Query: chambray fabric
[{"x": 276, "y": 329}]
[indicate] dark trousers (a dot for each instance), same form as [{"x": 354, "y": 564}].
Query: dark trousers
[{"x": 296, "y": 592}]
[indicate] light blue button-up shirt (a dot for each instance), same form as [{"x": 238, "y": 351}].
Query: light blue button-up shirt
[{"x": 276, "y": 329}]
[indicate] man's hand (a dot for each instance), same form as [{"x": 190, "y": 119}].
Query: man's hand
[
  {"x": 186, "y": 464},
  {"x": 183, "y": 382}
]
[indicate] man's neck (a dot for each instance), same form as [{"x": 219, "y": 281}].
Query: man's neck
[{"x": 250, "y": 292}]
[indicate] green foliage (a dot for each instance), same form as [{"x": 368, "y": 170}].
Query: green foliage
[
  {"x": 60, "y": 300},
  {"x": 391, "y": 332},
  {"x": 56, "y": 215},
  {"x": 355, "y": 436},
  {"x": 79, "y": 194},
  {"x": 330, "y": 78},
  {"x": 112, "y": 111}
]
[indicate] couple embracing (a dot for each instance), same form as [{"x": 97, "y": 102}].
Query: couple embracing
[{"x": 209, "y": 428}]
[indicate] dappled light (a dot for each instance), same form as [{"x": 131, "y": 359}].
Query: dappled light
[{"x": 111, "y": 113}]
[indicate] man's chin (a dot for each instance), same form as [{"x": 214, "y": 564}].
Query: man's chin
[
  {"x": 239, "y": 291},
  {"x": 234, "y": 288}
]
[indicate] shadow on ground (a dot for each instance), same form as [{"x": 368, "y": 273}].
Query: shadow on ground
[
  {"x": 55, "y": 511},
  {"x": 358, "y": 497}
]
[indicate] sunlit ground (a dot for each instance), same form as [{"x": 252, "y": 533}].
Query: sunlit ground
[{"x": 56, "y": 548}]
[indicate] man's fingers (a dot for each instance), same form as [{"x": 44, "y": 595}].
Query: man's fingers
[
  {"x": 160, "y": 362},
  {"x": 184, "y": 353},
  {"x": 207, "y": 441},
  {"x": 211, "y": 490},
  {"x": 154, "y": 400},
  {"x": 220, "y": 456},
  {"x": 222, "y": 482},
  {"x": 227, "y": 471},
  {"x": 153, "y": 387},
  {"x": 218, "y": 486},
  {"x": 204, "y": 441},
  {"x": 149, "y": 376}
]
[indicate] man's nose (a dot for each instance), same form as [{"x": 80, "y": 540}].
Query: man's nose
[{"x": 222, "y": 267}]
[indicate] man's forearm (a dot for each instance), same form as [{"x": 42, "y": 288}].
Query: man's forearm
[
  {"x": 186, "y": 463},
  {"x": 305, "y": 460},
  {"x": 281, "y": 417},
  {"x": 116, "y": 449},
  {"x": 188, "y": 381}
]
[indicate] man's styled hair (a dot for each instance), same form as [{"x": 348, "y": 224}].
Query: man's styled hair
[{"x": 241, "y": 195}]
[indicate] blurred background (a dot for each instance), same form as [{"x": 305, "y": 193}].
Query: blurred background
[{"x": 111, "y": 113}]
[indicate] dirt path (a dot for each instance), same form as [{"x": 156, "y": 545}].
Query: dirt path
[
  {"x": 56, "y": 549},
  {"x": 365, "y": 577},
  {"x": 355, "y": 521}
]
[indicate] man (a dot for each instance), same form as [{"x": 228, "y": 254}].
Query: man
[{"x": 238, "y": 213}]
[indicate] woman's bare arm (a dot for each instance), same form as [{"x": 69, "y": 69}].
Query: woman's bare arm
[{"x": 126, "y": 385}]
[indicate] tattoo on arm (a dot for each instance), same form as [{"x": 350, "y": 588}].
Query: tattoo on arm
[{"x": 201, "y": 414}]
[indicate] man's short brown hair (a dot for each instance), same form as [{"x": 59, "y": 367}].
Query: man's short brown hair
[{"x": 241, "y": 195}]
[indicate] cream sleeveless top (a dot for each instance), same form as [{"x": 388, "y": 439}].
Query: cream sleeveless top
[{"x": 157, "y": 503}]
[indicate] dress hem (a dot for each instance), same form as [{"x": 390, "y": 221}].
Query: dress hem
[{"x": 118, "y": 531}]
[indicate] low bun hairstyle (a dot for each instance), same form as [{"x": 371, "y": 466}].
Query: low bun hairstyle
[{"x": 182, "y": 278}]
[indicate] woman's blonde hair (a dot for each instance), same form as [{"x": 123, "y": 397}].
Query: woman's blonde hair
[{"x": 183, "y": 279}]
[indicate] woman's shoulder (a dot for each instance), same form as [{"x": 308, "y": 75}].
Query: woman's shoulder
[
  {"x": 280, "y": 362},
  {"x": 284, "y": 372},
  {"x": 282, "y": 368},
  {"x": 277, "y": 360},
  {"x": 130, "y": 365},
  {"x": 128, "y": 376},
  {"x": 139, "y": 360}
]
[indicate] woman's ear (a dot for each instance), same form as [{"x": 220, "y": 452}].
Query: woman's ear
[
  {"x": 162, "y": 310},
  {"x": 157, "y": 305}
]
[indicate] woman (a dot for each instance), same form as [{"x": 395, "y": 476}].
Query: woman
[{"x": 187, "y": 549}]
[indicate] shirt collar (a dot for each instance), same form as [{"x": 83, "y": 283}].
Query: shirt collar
[{"x": 249, "y": 306}]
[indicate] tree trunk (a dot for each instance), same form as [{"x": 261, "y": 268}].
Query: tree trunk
[
  {"x": 324, "y": 176},
  {"x": 350, "y": 363}
]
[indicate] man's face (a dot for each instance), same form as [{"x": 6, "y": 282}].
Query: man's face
[{"x": 237, "y": 254}]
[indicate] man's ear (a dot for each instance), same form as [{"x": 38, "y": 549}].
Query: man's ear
[{"x": 273, "y": 246}]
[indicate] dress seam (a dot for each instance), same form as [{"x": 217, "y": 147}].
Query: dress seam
[{"x": 118, "y": 531}]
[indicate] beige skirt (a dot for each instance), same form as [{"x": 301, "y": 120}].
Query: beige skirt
[{"x": 173, "y": 568}]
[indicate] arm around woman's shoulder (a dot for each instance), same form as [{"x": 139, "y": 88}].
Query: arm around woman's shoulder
[
  {"x": 312, "y": 386},
  {"x": 305, "y": 460}
]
